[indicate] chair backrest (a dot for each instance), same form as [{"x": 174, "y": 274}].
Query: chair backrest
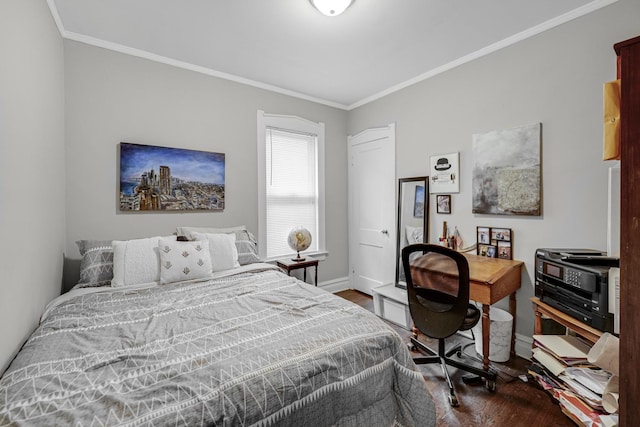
[{"x": 437, "y": 288}]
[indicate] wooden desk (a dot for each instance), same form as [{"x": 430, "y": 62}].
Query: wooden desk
[
  {"x": 493, "y": 279},
  {"x": 540, "y": 309},
  {"x": 289, "y": 264}
]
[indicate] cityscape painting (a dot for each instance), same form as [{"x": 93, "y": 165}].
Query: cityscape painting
[{"x": 156, "y": 178}]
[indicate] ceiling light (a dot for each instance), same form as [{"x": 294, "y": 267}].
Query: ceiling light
[{"x": 331, "y": 7}]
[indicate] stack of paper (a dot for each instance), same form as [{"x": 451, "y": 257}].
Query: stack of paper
[
  {"x": 577, "y": 410},
  {"x": 560, "y": 363},
  {"x": 566, "y": 348}
]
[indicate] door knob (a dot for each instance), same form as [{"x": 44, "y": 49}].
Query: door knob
[{"x": 385, "y": 232}]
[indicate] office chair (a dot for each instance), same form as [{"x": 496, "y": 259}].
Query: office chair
[{"x": 438, "y": 292}]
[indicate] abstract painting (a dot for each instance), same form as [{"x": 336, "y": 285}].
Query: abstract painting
[
  {"x": 156, "y": 178},
  {"x": 506, "y": 171}
]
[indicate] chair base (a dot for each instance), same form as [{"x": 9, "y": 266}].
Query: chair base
[{"x": 443, "y": 358}]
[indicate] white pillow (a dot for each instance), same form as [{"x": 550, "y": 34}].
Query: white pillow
[
  {"x": 222, "y": 247},
  {"x": 136, "y": 261},
  {"x": 189, "y": 232},
  {"x": 180, "y": 261},
  {"x": 414, "y": 235}
]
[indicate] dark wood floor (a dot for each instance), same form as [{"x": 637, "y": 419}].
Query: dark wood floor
[{"x": 514, "y": 403}]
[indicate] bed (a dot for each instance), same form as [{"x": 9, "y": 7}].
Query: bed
[{"x": 242, "y": 346}]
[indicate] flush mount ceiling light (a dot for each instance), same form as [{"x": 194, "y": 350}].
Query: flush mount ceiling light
[{"x": 331, "y": 7}]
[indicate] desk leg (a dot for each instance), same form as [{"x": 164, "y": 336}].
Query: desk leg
[
  {"x": 316, "y": 279},
  {"x": 305, "y": 274},
  {"x": 512, "y": 311},
  {"x": 486, "y": 324}
]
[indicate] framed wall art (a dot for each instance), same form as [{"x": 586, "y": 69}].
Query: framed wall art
[
  {"x": 494, "y": 242},
  {"x": 443, "y": 203},
  {"x": 506, "y": 177},
  {"x": 444, "y": 173},
  {"x": 154, "y": 178},
  {"x": 418, "y": 202}
]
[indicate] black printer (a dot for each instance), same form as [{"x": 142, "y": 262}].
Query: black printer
[{"x": 576, "y": 282}]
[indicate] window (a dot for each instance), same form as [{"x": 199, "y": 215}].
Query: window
[{"x": 291, "y": 182}]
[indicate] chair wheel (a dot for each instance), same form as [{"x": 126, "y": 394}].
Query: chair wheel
[
  {"x": 453, "y": 400},
  {"x": 459, "y": 354},
  {"x": 411, "y": 346},
  {"x": 491, "y": 385}
]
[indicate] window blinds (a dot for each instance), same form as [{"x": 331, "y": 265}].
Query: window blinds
[{"x": 292, "y": 188}]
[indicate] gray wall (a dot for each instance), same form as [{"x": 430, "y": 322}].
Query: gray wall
[
  {"x": 112, "y": 97},
  {"x": 32, "y": 168},
  {"x": 554, "y": 78}
]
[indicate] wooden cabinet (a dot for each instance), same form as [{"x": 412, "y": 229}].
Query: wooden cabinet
[{"x": 628, "y": 53}]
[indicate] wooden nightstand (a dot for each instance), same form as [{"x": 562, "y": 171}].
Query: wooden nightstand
[{"x": 289, "y": 265}]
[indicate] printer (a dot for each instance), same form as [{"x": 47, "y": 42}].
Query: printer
[{"x": 576, "y": 282}]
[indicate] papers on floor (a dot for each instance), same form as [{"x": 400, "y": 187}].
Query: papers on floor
[
  {"x": 569, "y": 349},
  {"x": 561, "y": 364},
  {"x": 594, "y": 379}
]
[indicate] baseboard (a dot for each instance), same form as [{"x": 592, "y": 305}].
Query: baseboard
[{"x": 335, "y": 285}]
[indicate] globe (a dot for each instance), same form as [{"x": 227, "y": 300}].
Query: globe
[{"x": 299, "y": 239}]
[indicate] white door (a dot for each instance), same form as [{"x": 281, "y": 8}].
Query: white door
[{"x": 372, "y": 207}]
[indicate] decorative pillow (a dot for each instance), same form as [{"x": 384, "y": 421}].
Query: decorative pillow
[
  {"x": 246, "y": 243},
  {"x": 181, "y": 261},
  {"x": 414, "y": 235},
  {"x": 222, "y": 248},
  {"x": 96, "y": 266},
  {"x": 136, "y": 261},
  {"x": 247, "y": 251}
]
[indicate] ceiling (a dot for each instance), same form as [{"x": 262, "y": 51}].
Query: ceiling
[{"x": 374, "y": 48}]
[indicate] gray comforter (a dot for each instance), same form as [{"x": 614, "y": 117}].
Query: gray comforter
[{"x": 256, "y": 348}]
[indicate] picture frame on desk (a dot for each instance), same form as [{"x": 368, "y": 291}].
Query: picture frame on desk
[{"x": 494, "y": 242}]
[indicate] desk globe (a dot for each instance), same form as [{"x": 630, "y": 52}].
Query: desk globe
[{"x": 299, "y": 239}]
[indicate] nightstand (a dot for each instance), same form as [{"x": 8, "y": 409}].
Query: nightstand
[{"x": 289, "y": 265}]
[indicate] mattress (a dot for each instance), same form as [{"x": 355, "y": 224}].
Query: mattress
[{"x": 251, "y": 347}]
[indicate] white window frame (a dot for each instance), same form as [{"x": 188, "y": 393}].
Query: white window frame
[{"x": 294, "y": 124}]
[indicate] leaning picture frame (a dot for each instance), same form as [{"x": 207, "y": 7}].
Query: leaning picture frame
[{"x": 494, "y": 242}]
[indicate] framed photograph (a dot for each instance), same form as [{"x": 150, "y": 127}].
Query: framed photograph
[
  {"x": 482, "y": 250},
  {"x": 484, "y": 236},
  {"x": 501, "y": 234},
  {"x": 418, "y": 202},
  {"x": 156, "y": 178},
  {"x": 444, "y": 173},
  {"x": 443, "y": 205},
  {"x": 504, "y": 250},
  {"x": 492, "y": 251},
  {"x": 494, "y": 242}
]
